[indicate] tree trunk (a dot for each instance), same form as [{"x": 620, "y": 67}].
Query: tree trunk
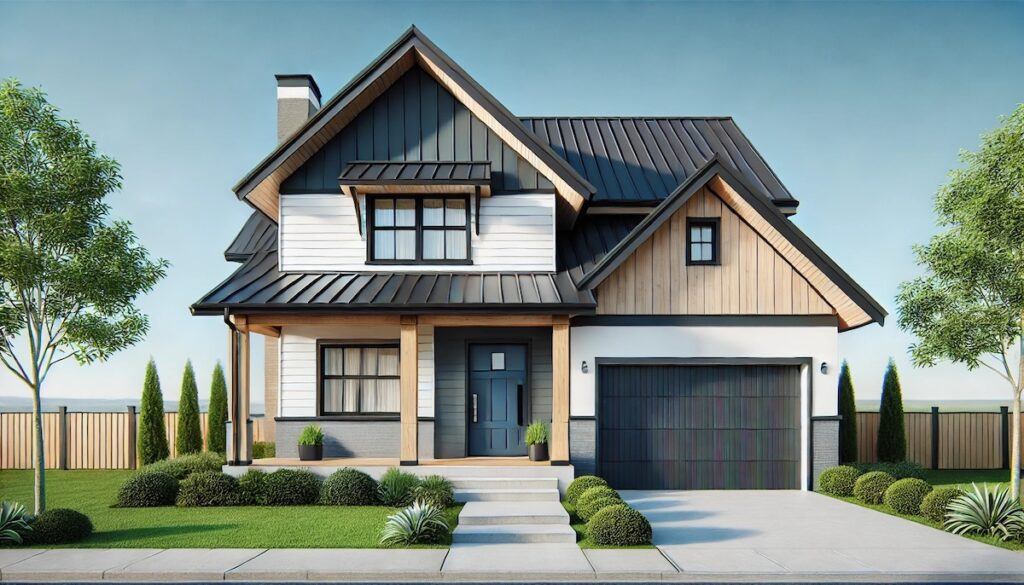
[
  {"x": 39, "y": 459},
  {"x": 1015, "y": 447}
]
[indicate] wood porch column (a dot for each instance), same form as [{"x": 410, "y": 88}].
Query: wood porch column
[
  {"x": 560, "y": 391},
  {"x": 238, "y": 388},
  {"x": 232, "y": 454},
  {"x": 409, "y": 407}
]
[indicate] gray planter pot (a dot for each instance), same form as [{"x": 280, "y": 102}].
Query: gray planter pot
[
  {"x": 538, "y": 452},
  {"x": 311, "y": 452}
]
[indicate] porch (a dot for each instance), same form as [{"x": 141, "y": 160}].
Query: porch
[{"x": 428, "y": 373}]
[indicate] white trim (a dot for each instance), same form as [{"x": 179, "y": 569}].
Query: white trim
[
  {"x": 612, "y": 210},
  {"x": 285, "y": 92}
]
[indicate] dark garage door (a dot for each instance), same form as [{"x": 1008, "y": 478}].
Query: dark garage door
[{"x": 699, "y": 427}]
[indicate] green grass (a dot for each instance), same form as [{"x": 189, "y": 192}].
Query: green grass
[
  {"x": 580, "y": 527},
  {"x": 944, "y": 478},
  {"x": 93, "y": 492}
]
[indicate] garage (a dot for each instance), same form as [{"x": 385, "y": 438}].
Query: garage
[{"x": 699, "y": 426}]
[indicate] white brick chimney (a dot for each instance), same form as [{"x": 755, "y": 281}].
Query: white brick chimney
[{"x": 298, "y": 98}]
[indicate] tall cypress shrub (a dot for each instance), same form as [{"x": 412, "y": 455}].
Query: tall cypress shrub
[
  {"x": 189, "y": 438},
  {"x": 848, "y": 412},
  {"x": 216, "y": 433},
  {"x": 892, "y": 439},
  {"x": 152, "y": 441}
]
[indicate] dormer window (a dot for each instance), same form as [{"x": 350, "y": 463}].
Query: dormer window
[
  {"x": 702, "y": 245},
  {"x": 418, "y": 230}
]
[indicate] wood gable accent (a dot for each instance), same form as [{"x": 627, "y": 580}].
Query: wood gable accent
[
  {"x": 261, "y": 187},
  {"x": 753, "y": 278}
]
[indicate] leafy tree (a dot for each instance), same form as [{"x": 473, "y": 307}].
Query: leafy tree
[
  {"x": 848, "y": 412},
  {"x": 152, "y": 429},
  {"x": 892, "y": 438},
  {"x": 216, "y": 433},
  {"x": 69, "y": 277},
  {"x": 189, "y": 438},
  {"x": 968, "y": 308}
]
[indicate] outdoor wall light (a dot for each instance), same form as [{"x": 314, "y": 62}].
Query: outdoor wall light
[
  {"x": 824, "y": 367},
  {"x": 584, "y": 367}
]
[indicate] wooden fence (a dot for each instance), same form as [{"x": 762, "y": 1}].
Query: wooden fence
[
  {"x": 945, "y": 440},
  {"x": 85, "y": 440}
]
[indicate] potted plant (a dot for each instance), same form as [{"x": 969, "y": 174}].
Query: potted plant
[
  {"x": 537, "y": 441},
  {"x": 311, "y": 444}
]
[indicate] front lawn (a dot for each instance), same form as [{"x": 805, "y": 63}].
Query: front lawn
[{"x": 93, "y": 492}]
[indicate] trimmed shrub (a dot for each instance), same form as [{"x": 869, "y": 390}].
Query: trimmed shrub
[
  {"x": 436, "y": 491},
  {"x": 586, "y": 504},
  {"x": 263, "y": 450},
  {"x": 152, "y": 441},
  {"x": 899, "y": 469},
  {"x": 619, "y": 525},
  {"x": 848, "y": 412},
  {"x": 417, "y": 524},
  {"x": 892, "y": 438},
  {"x": 14, "y": 523},
  {"x": 216, "y": 434},
  {"x": 147, "y": 489},
  {"x": 349, "y": 487},
  {"x": 586, "y": 510},
  {"x": 870, "y": 487},
  {"x": 396, "y": 487},
  {"x": 905, "y": 495},
  {"x": 208, "y": 488},
  {"x": 189, "y": 438},
  {"x": 292, "y": 487},
  {"x": 182, "y": 467},
  {"x": 580, "y": 485},
  {"x": 838, "y": 481},
  {"x": 59, "y": 526},
  {"x": 252, "y": 488},
  {"x": 936, "y": 502}
]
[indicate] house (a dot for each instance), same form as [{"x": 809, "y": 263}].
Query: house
[{"x": 431, "y": 273}]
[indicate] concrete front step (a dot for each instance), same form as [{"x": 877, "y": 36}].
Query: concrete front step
[
  {"x": 506, "y": 495},
  {"x": 510, "y": 513},
  {"x": 514, "y": 533},
  {"x": 469, "y": 483}
]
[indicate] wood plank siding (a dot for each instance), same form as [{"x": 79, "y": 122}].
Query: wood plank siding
[
  {"x": 416, "y": 119},
  {"x": 753, "y": 278}
]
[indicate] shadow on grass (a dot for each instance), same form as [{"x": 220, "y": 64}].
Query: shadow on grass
[{"x": 146, "y": 532}]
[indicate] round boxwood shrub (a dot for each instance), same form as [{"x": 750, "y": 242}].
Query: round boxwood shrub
[
  {"x": 935, "y": 503},
  {"x": 905, "y": 495},
  {"x": 619, "y": 525},
  {"x": 147, "y": 489},
  {"x": 292, "y": 487},
  {"x": 586, "y": 504},
  {"x": 182, "y": 467},
  {"x": 838, "y": 481},
  {"x": 252, "y": 488},
  {"x": 208, "y": 488},
  {"x": 898, "y": 469},
  {"x": 349, "y": 487},
  {"x": 436, "y": 491},
  {"x": 59, "y": 526},
  {"x": 870, "y": 487},
  {"x": 580, "y": 485},
  {"x": 587, "y": 510}
]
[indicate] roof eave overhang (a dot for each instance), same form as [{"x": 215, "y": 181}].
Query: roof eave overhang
[{"x": 212, "y": 309}]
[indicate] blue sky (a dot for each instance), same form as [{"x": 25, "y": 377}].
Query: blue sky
[{"x": 860, "y": 108}]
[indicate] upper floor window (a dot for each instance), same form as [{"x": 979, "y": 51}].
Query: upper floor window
[
  {"x": 702, "y": 240},
  {"x": 418, "y": 230}
]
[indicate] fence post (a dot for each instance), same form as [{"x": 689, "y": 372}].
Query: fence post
[
  {"x": 62, "y": 437},
  {"x": 132, "y": 456},
  {"x": 1004, "y": 445},
  {"x": 935, "y": 437}
]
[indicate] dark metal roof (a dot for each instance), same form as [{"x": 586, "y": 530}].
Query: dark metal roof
[
  {"x": 258, "y": 233},
  {"x": 590, "y": 240},
  {"x": 382, "y": 172},
  {"x": 258, "y": 285},
  {"x": 643, "y": 160}
]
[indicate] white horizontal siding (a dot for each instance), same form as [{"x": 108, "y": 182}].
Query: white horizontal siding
[
  {"x": 298, "y": 363},
  {"x": 320, "y": 233}
]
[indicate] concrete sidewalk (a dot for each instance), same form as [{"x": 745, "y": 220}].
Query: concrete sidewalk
[{"x": 466, "y": 563}]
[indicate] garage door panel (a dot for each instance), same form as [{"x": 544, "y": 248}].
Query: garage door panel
[{"x": 699, "y": 427}]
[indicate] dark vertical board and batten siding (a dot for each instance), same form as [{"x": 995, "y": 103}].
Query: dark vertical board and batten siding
[{"x": 415, "y": 119}]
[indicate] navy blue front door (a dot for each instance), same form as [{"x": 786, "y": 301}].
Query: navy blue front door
[{"x": 497, "y": 395}]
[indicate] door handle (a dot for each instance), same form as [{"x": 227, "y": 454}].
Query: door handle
[
  {"x": 519, "y": 401},
  {"x": 474, "y": 408}
]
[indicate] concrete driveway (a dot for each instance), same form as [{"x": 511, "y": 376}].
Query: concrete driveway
[{"x": 792, "y": 532}]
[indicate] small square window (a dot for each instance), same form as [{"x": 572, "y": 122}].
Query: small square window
[
  {"x": 498, "y": 361},
  {"x": 702, "y": 240}
]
